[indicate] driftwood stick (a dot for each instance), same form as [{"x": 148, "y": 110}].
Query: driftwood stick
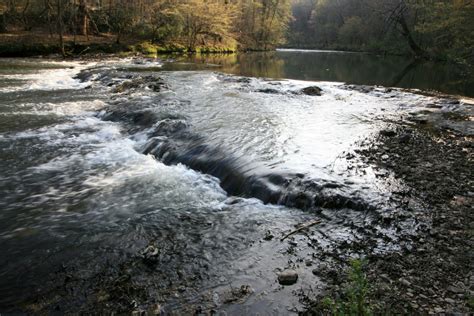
[{"x": 303, "y": 227}]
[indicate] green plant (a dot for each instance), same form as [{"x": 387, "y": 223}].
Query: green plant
[
  {"x": 354, "y": 299},
  {"x": 470, "y": 302}
]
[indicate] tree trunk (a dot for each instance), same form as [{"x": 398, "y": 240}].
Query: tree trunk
[
  {"x": 83, "y": 18},
  {"x": 74, "y": 22},
  {"x": 417, "y": 50},
  {"x": 24, "y": 19},
  {"x": 60, "y": 27},
  {"x": 119, "y": 36},
  {"x": 48, "y": 12},
  {"x": 3, "y": 23}
]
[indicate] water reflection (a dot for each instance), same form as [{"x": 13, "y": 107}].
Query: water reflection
[{"x": 355, "y": 68}]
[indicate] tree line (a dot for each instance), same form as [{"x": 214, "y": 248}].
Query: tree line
[
  {"x": 425, "y": 28},
  {"x": 235, "y": 24},
  {"x": 441, "y": 29}
]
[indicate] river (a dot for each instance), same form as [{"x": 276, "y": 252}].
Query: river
[
  {"x": 127, "y": 183},
  {"x": 349, "y": 67}
]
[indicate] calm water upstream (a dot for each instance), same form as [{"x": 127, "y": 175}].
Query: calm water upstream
[
  {"x": 355, "y": 68},
  {"x": 101, "y": 160}
]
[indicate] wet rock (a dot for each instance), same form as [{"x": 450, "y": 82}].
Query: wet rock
[
  {"x": 143, "y": 118},
  {"x": 168, "y": 127},
  {"x": 288, "y": 277},
  {"x": 405, "y": 282},
  {"x": 405, "y": 138},
  {"x": 150, "y": 82},
  {"x": 234, "y": 79},
  {"x": 388, "y": 133},
  {"x": 438, "y": 310},
  {"x": 268, "y": 235},
  {"x": 455, "y": 290},
  {"x": 359, "y": 88},
  {"x": 434, "y": 106},
  {"x": 453, "y": 102},
  {"x": 84, "y": 76},
  {"x": 268, "y": 90},
  {"x": 233, "y": 200},
  {"x": 238, "y": 294},
  {"x": 312, "y": 90},
  {"x": 419, "y": 119}
]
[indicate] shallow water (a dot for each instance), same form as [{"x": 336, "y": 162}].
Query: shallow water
[{"x": 199, "y": 164}]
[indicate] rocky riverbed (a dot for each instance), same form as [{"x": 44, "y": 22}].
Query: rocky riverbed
[
  {"x": 430, "y": 151},
  {"x": 135, "y": 190}
]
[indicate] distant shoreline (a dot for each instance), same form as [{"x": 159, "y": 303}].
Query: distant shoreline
[{"x": 316, "y": 50}]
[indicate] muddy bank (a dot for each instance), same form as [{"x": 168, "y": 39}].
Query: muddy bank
[{"x": 430, "y": 152}]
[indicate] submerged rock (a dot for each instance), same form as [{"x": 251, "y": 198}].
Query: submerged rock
[
  {"x": 268, "y": 90},
  {"x": 288, "y": 277},
  {"x": 236, "y": 295},
  {"x": 153, "y": 83},
  {"x": 312, "y": 90}
]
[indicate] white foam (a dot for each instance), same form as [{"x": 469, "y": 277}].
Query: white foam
[
  {"x": 51, "y": 79},
  {"x": 115, "y": 163},
  {"x": 87, "y": 130},
  {"x": 59, "y": 109}
]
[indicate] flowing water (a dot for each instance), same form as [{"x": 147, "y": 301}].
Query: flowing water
[{"x": 100, "y": 160}]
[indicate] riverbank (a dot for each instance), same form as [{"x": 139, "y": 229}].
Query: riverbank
[
  {"x": 431, "y": 152},
  {"x": 41, "y": 44}
]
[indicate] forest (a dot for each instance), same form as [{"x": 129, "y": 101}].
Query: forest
[
  {"x": 427, "y": 29},
  {"x": 433, "y": 29},
  {"x": 189, "y": 24}
]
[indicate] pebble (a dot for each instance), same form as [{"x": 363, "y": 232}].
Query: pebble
[
  {"x": 150, "y": 253},
  {"x": 405, "y": 282},
  {"x": 156, "y": 309},
  {"x": 385, "y": 277},
  {"x": 455, "y": 290},
  {"x": 288, "y": 277}
]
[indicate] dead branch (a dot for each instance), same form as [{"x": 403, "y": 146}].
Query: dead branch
[{"x": 301, "y": 228}]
